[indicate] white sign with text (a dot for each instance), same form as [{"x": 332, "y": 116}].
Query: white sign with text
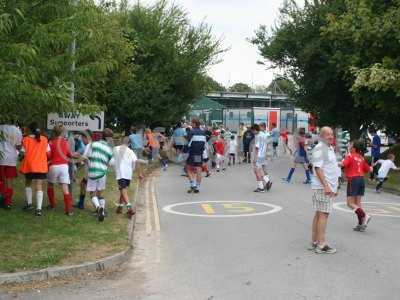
[{"x": 76, "y": 121}]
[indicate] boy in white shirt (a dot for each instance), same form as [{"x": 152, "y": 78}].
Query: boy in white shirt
[
  {"x": 232, "y": 150},
  {"x": 386, "y": 166},
  {"x": 124, "y": 161}
]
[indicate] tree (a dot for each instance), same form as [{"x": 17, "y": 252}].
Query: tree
[
  {"x": 282, "y": 85},
  {"x": 169, "y": 66},
  {"x": 35, "y": 59},
  {"x": 240, "y": 88},
  {"x": 211, "y": 85},
  {"x": 298, "y": 46}
]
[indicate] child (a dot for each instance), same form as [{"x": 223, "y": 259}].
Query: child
[
  {"x": 355, "y": 168},
  {"x": 60, "y": 153},
  {"x": 124, "y": 161},
  {"x": 219, "y": 147},
  {"x": 206, "y": 158},
  {"x": 232, "y": 150},
  {"x": 35, "y": 151},
  {"x": 98, "y": 156},
  {"x": 386, "y": 166},
  {"x": 164, "y": 157}
]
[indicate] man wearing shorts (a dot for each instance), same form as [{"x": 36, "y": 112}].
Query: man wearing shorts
[
  {"x": 194, "y": 163},
  {"x": 324, "y": 185},
  {"x": 99, "y": 156},
  {"x": 9, "y": 145},
  {"x": 259, "y": 158}
]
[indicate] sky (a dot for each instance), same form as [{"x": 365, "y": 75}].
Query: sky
[{"x": 234, "y": 21}]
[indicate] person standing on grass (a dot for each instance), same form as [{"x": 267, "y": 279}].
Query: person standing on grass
[
  {"x": 35, "y": 151},
  {"x": 10, "y": 143},
  {"x": 194, "y": 163},
  {"x": 98, "y": 157},
  {"x": 232, "y": 150},
  {"x": 300, "y": 157},
  {"x": 386, "y": 166},
  {"x": 87, "y": 141},
  {"x": 60, "y": 155},
  {"x": 264, "y": 183},
  {"x": 375, "y": 152},
  {"x": 136, "y": 142},
  {"x": 355, "y": 168},
  {"x": 152, "y": 145},
  {"x": 325, "y": 186},
  {"x": 275, "y": 140},
  {"x": 124, "y": 161}
]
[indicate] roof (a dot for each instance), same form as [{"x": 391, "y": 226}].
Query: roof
[{"x": 203, "y": 103}]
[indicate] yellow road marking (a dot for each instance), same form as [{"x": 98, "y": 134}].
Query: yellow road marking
[
  {"x": 155, "y": 205},
  {"x": 239, "y": 208},
  {"x": 208, "y": 208}
]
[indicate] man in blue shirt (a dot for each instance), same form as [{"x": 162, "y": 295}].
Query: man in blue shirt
[
  {"x": 197, "y": 141},
  {"x": 179, "y": 140},
  {"x": 136, "y": 142},
  {"x": 375, "y": 152},
  {"x": 275, "y": 134}
]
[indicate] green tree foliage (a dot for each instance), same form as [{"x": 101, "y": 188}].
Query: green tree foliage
[
  {"x": 169, "y": 66},
  {"x": 282, "y": 85},
  {"x": 211, "y": 85},
  {"x": 368, "y": 33},
  {"x": 35, "y": 56},
  {"x": 240, "y": 87},
  {"x": 299, "y": 46}
]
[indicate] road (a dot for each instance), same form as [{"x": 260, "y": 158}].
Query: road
[{"x": 260, "y": 256}]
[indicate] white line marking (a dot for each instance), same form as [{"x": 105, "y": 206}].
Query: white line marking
[
  {"x": 338, "y": 207},
  {"x": 148, "y": 217},
  {"x": 170, "y": 209},
  {"x": 155, "y": 205}
]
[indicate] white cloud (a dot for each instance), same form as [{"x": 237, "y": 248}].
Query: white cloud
[{"x": 235, "y": 21}]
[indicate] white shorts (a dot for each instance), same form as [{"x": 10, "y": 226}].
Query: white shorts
[
  {"x": 96, "y": 184},
  {"x": 260, "y": 163},
  {"x": 58, "y": 174}
]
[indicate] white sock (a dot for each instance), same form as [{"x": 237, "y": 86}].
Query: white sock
[
  {"x": 28, "y": 195},
  {"x": 266, "y": 178},
  {"x": 260, "y": 185},
  {"x": 95, "y": 202},
  {"x": 39, "y": 199},
  {"x": 102, "y": 203}
]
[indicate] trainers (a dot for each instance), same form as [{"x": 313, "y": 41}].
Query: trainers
[
  {"x": 312, "y": 246},
  {"x": 196, "y": 190},
  {"x": 119, "y": 209},
  {"x": 258, "y": 190},
  {"x": 307, "y": 182},
  {"x": 358, "y": 228},
  {"x": 284, "y": 179},
  {"x": 208, "y": 174},
  {"x": 100, "y": 214},
  {"x": 190, "y": 190},
  {"x": 49, "y": 207},
  {"x": 7, "y": 206},
  {"x": 269, "y": 185},
  {"x": 325, "y": 250},
  {"x": 70, "y": 213},
  {"x": 366, "y": 220},
  {"x": 131, "y": 212},
  {"x": 28, "y": 207},
  {"x": 38, "y": 212}
]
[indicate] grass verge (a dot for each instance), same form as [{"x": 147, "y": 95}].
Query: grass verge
[{"x": 29, "y": 242}]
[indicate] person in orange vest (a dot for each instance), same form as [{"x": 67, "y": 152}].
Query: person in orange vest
[{"x": 35, "y": 151}]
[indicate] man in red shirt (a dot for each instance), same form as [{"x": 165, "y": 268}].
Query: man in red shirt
[
  {"x": 355, "y": 168},
  {"x": 60, "y": 154}
]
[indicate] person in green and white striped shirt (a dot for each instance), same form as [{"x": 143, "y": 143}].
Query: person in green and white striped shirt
[{"x": 99, "y": 156}]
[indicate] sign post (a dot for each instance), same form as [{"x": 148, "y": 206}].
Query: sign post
[{"x": 76, "y": 121}]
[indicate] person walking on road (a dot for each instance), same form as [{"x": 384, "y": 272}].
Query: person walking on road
[
  {"x": 275, "y": 140},
  {"x": 325, "y": 186},
  {"x": 375, "y": 152},
  {"x": 386, "y": 166},
  {"x": 219, "y": 147},
  {"x": 232, "y": 150},
  {"x": 248, "y": 137},
  {"x": 194, "y": 163},
  {"x": 300, "y": 157},
  {"x": 355, "y": 168},
  {"x": 264, "y": 183}
]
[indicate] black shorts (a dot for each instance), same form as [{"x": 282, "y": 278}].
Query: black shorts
[
  {"x": 195, "y": 160},
  {"x": 36, "y": 176},
  {"x": 275, "y": 144},
  {"x": 355, "y": 187},
  {"x": 178, "y": 147},
  {"x": 123, "y": 183}
]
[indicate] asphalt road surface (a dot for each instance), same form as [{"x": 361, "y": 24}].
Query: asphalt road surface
[{"x": 228, "y": 248}]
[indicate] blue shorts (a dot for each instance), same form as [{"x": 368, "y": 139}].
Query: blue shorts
[{"x": 355, "y": 187}]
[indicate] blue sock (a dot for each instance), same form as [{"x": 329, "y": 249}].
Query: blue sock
[
  {"x": 308, "y": 175},
  {"x": 289, "y": 177}
]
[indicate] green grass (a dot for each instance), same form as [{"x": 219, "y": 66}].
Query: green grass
[{"x": 28, "y": 242}]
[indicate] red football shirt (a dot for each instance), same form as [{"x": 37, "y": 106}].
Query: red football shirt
[
  {"x": 355, "y": 165},
  {"x": 219, "y": 147},
  {"x": 59, "y": 151}
]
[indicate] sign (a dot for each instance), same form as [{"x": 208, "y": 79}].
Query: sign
[{"x": 76, "y": 121}]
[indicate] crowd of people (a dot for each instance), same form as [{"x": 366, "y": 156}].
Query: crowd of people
[{"x": 53, "y": 158}]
